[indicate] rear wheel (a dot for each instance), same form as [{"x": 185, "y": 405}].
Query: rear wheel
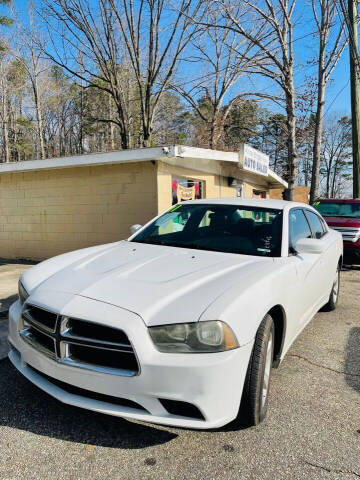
[
  {"x": 334, "y": 295},
  {"x": 254, "y": 402}
]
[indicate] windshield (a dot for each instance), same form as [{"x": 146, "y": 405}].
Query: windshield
[
  {"x": 222, "y": 228},
  {"x": 338, "y": 209}
]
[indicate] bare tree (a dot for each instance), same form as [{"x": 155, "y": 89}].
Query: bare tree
[
  {"x": 4, "y": 115},
  {"x": 275, "y": 21},
  {"x": 221, "y": 58},
  {"x": 36, "y": 69},
  {"x": 113, "y": 46},
  {"x": 91, "y": 48},
  {"x": 331, "y": 44},
  {"x": 336, "y": 154},
  {"x": 153, "y": 49},
  {"x": 4, "y": 21}
]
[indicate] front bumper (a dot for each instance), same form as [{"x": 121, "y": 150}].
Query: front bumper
[{"x": 211, "y": 382}]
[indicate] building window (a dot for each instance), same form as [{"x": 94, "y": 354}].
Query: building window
[
  {"x": 186, "y": 189},
  {"x": 259, "y": 194}
]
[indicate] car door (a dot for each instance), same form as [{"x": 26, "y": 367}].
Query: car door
[
  {"x": 309, "y": 271},
  {"x": 327, "y": 261}
]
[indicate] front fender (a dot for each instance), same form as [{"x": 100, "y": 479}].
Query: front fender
[{"x": 244, "y": 306}]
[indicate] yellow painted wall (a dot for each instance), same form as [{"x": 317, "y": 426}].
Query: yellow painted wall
[
  {"x": 214, "y": 185},
  {"x": 250, "y": 187},
  {"x": 44, "y": 213}
]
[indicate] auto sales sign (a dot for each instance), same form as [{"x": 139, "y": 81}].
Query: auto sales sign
[{"x": 253, "y": 160}]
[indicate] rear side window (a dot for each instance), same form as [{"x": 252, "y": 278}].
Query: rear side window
[
  {"x": 298, "y": 227},
  {"x": 316, "y": 224}
]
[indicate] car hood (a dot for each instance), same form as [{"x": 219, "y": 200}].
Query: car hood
[{"x": 161, "y": 284}]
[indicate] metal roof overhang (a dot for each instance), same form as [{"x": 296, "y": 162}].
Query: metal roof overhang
[{"x": 199, "y": 159}]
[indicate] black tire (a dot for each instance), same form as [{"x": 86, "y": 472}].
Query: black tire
[
  {"x": 334, "y": 295},
  {"x": 254, "y": 404}
]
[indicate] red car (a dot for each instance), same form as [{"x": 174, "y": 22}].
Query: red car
[{"x": 344, "y": 216}]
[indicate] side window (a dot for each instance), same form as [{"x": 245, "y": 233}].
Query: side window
[
  {"x": 316, "y": 224},
  {"x": 298, "y": 227}
]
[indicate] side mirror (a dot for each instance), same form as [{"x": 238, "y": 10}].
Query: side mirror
[
  {"x": 310, "y": 245},
  {"x": 135, "y": 228}
]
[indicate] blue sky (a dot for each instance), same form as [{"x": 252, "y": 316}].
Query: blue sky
[
  {"x": 338, "y": 95},
  {"x": 338, "y": 91}
]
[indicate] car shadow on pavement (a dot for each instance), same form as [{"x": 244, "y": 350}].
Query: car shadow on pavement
[
  {"x": 352, "y": 359},
  {"x": 25, "y": 407}
]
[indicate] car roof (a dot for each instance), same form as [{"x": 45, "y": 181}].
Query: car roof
[{"x": 251, "y": 202}]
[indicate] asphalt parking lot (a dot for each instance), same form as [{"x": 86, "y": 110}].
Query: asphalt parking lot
[{"x": 312, "y": 430}]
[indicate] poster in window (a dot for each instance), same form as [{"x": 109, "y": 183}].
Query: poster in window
[{"x": 185, "y": 189}]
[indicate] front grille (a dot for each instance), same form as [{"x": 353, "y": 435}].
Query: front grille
[
  {"x": 41, "y": 340},
  {"x": 104, "y": 358},
  {"x": 123, "y": 402},
  {"x": 81, "y": 329},
  {"x": 79, "y": 343},
  {"x": 349, "y": 234},
  {"x": 43, "y": 318}
]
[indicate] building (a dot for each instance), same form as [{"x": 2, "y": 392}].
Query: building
[
  {"x": 52, "y": 206},
  {"x": 301, "y": 193}
]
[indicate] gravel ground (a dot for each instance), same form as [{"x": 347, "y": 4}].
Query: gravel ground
[
  {"x": 312, "y": 430},
  {"x": 9, "y": 276}
]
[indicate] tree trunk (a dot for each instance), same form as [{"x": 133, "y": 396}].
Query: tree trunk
[
  {"x": 124, "y": 139},
  {"x": 291, "y": 141},
  {"x": 147, "y": 121},
  {"x": 328, "y": 175},
  {"x": 5, "y": 119},
  {"x": 333, "y": 181},
  {"x": 146, "y": 140},
  {"x": 39, "y": 117},
  {"x": 111, "y": 126},
  {"x": 319, "y": 122},
  {"x": 315, "y": 174},
  {"x": 276, "y": 155},
  {"x": 212, "y": 140}
]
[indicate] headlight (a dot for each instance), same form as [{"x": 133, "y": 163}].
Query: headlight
[
  {"x": 23, "y": 294},
  {"x": 198, "y": 337}
]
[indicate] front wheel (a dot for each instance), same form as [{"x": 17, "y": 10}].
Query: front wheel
[
  {"x": 334, "y": 295},
  {"x": 254, "y": 402}
]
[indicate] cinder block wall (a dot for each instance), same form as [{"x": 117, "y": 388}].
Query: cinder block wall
[{"x": 44, "y": 213}]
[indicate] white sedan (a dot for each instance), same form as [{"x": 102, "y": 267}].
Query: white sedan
[{"x": 182, "y": 323}]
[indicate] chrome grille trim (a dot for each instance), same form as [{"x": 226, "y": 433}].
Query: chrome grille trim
[
  {"x": 26, "y": 313},
  {"x": 72, "y": 338},
  {"x": 96, "y": 343},
  {"x": 30, "y": 339},
  {"x": 349, "y": 234},
  {"x": 97, "y": 368},
  {"x": 63, "y": 339},
  {"x": 99, "y": 346}
]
